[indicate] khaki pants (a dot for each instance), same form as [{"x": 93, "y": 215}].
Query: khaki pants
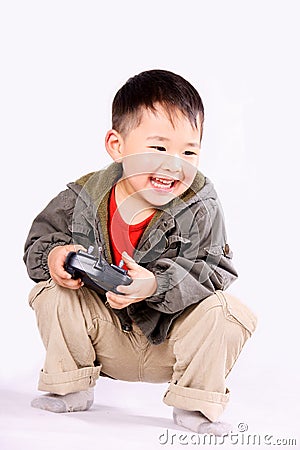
[{"x": 83, "y": 337}]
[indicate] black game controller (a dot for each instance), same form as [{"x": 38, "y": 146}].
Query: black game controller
[{"x": 96, "y": 273}]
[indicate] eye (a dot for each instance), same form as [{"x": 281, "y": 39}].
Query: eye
[
  {"x": 190, "y": 153},
  {"x": 157, "y": 147}
]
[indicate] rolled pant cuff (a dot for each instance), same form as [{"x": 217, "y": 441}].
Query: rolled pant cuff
[
  {"x": 211, "y": 404},
  {"x": 67, "y": 382}
]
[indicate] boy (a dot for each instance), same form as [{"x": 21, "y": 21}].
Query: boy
[{"x": 157, "y": 213}]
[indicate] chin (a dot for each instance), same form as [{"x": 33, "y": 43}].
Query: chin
[{"x": 157, "y": 199}]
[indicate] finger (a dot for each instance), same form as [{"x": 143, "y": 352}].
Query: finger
[
  {"x": 70, "y": 284},
  {"x": 60, "y": 270},
  {"x": 61, "y": 274},
  {"x": 73, "y": 284},
  {"x": 130, "y": 262},
  {"x": 127, "y": 290},
  {"x": 130, "y": 291},
  {"x": 112, "y": 297},
  {"x": 128, "y": 258},
  {"x": 64, "y": 275},
  {"x": 117, "y": 305},
  {"x": 117, "y": 301},
  {"x": 79, "y": 247}
]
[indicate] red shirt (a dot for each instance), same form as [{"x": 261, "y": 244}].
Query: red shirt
[{"x": 122, "y": 236}]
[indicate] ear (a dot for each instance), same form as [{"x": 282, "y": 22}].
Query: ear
[{"x": 113, "y": 144}]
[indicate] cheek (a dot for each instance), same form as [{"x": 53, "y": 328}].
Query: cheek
[
  {"x": 189, "y": 173},
  {"x": 142, "y": 163}
]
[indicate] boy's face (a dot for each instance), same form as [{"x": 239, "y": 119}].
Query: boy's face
[{"x": 159, "y": 158}]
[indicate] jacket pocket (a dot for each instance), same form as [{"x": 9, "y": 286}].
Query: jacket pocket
[
  {"x": 38, "y": 289},
  {"x": 174, "y": 244},
  {"x": 82, "y": 227},
  {"x": 219, "y": 258},
  {"x": 215, "y": 252}
]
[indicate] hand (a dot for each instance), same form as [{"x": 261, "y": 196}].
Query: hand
[
  {"x": 144, "y": 285},
  {"x": 56, "y": 260}
]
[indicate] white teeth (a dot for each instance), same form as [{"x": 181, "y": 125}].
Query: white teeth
[{"x": 161, "y": 182}]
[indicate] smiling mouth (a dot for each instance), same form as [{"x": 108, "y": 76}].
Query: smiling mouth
[{"x": 164, "y": 184}]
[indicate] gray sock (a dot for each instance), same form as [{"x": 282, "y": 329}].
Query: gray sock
[
  {"x": 76, "y": 401},
  {"x": 197, "y": 422}
]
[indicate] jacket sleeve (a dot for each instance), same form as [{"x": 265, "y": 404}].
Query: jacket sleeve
[
  {"x": 52, "y": 227},
  {"x": 202, "y": 266}
]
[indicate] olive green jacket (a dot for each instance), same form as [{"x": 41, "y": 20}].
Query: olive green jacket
[{"x": 184, "y": 245}]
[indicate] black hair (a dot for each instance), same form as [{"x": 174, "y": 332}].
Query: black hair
[{"x": 152, "y": 87}]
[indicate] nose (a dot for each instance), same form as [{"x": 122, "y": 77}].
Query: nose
[{"x": 172, "y": 163}]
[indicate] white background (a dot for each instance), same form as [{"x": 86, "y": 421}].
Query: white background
[{"x": 61, "y": 64}]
